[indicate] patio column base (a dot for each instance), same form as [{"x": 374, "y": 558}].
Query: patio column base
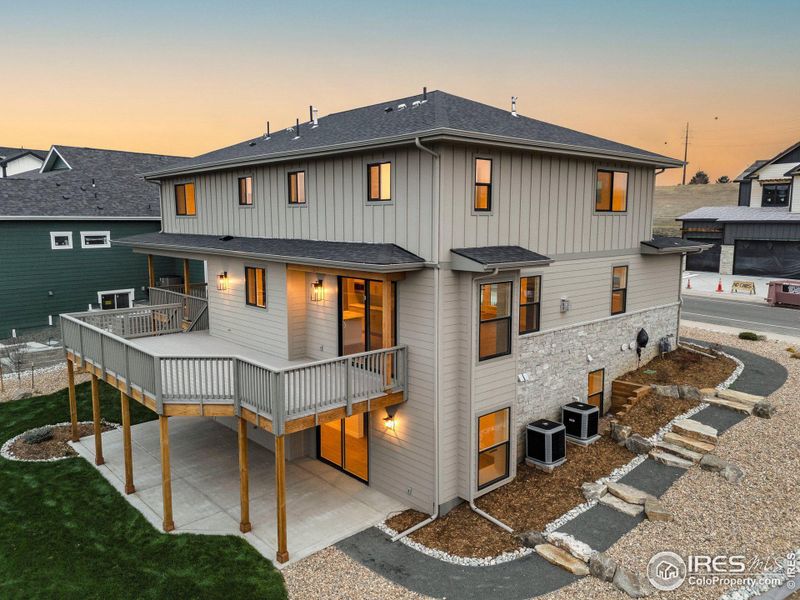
[{"x": 98, "y": 433}]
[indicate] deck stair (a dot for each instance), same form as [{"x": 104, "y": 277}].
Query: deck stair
[
  {"x": 686, "y": 444},
  {"x": 625, "y": 394}
]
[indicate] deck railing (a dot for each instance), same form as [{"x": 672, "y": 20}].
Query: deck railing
[
  {"x": 199, "y": 290},
  {"x": 140, "y": 321},
  {"x": 277, "y": 394},
  {"x": 194, "y": 313}
]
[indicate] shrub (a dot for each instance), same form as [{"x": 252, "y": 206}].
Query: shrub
[
  {"x": 39, "y": 435},
  {"x": 748, "y": 335},
  {"x": 791, "y": 350}
]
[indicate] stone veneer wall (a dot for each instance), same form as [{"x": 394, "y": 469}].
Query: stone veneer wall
[{"x": 557, "y": 366}]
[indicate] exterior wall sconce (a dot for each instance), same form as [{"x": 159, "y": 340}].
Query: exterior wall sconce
[
  {"x": 222, "y": 282},
  {"x": 317, "y": 291},
  {"x": 390, "y": 421}
]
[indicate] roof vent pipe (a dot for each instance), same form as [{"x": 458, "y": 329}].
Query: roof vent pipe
[
  {"x": 266, "y": 135},
  {"x": 514, "y": 106},
  {"x": 424, "y": 94},
  {"x": 314, "y": 117},
  {"x": 297, "y": 128}
]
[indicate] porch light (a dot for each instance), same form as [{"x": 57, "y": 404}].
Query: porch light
[
  {"x": 389, "y": 421},
  {"x": 317, "y": 291},
  {"x": 222, "y": 282}
]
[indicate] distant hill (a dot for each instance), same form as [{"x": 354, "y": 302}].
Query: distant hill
[{"x": 675, "y": 200}]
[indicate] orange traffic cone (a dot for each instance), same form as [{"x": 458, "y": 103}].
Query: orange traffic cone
[{"x": 719, "y": 285}]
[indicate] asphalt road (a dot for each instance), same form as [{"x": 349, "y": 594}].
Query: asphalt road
[{"x": 746, "y": 316}]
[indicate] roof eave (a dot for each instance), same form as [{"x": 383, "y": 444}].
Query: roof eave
[
  {"x": 645, "y": 249},
  {"x": 464, "y": 263},
  {"x": 75, "y": 218}
]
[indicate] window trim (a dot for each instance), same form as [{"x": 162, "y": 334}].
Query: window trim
[
  {"x": 289, "y": 188},
  {"x": 54, "y": 234},
  {"x": 175, "y": 198},
  {"x": 624, "y": 290},
  {"x": 478, "y": 450},
  {"x": 84, "y": 234},
  {"x": 509, "y": 318},
  {"x": 602, "y": 391},
  {"x": 764, "y": 187},
  {"x": 247, "y": 302},
  {"x": 611, "y": 210},
  {"x": 538, "y": 305},
  {"x": 475, "y": 184},
  {"x": 379, "y": 201},
  {"x": 239, "y": 191}
]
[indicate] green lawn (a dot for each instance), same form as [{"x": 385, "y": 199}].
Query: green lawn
[{"x": 66, "y": 533}]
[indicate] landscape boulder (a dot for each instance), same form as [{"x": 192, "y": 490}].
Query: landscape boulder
[
  {"x": 531, "y": 539},
  {"x": 602, "y": 566},
  {"x": 732, "y": 473},
  {"x": 656, "y": 511},
  {"x": 620, "y": 432},
  {"x": 670, "y": 391},
  {"x": 638, "y": 444},
  {"x": 593, "y": 490},
  {"x": 577, "y": 548},
  {"x": 690, "y": 392},
  {"x": 20, "y": 395},
  {"x": 630, "y": 583},
  {"x": 763, "y": 409},
  {"x": 726, "y": 470},
  {"x": 628, "y": 493}
]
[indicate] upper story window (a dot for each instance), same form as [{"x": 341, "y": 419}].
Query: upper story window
[
  {"x": 612, "y": 191},
  {"x": 255, "y": 282},
  {"x": 530, "y": 296},
  {"x": 619, "y": 290},
  {"x": 95, "y": 239},
  {"x": 380, "y": 182},
  {"x": 61, "y": 240},
  {"x": 483, "y": 185},
  {"x": 245, "y": 191},
  {"x": 297, "y": 187},
  {"x": 184, "y": 200},
  {"x": 494, "y": 334},
  {"x": 775, "y": 194}
]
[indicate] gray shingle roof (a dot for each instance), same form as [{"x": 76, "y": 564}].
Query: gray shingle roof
[
  {"x": 491, "y": 256},
  {"x": 749, "y": 170},
  {"x": 377, "y": 257},
  {"x": 740, "y": 214},
  {"x": 672, "y": 245},
  {"x": 101, "y": 184},
  {"x": 7, "y": 154},
  {"x": 442, "y": 113}
]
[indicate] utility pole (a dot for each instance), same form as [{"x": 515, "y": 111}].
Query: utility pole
[{"x": 685, "y": 152}]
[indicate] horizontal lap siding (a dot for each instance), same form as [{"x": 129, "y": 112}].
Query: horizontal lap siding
[{"x": 322, "y": 319}]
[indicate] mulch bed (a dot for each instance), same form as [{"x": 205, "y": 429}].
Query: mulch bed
[
  {"x": 653, "y": 411},
  {"x": 55, "y": 447},
  {"x": 683, "y": 367}
]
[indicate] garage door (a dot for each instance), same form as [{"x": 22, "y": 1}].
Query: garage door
[
  {"x": 704, "y": 261},
  {"x": 767, "y": 259}
]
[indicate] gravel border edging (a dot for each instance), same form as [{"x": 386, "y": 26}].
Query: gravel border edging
[{"x": 5, "y": 451}]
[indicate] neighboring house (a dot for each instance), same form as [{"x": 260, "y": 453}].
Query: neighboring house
[
  {"x": 759, "y": 237},
  {"x": 398, "y": 289},
  {"x": 14, "y": 161},
  {"x": 56, "y": 226}
]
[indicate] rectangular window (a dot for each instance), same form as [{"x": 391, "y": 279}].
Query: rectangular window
[
  {"x": 255, "y": 281},
  {"x": 61, "y": 240},
  {"x": 494, "y": 335},
  {"x": 184, "y": 200},
  {"x": 493, "y": 447},
  {"x": 95, "y": 239},
  {"x": 297, "y": 187},
  {"x": 483, "y": 185},
  {"x": 380, "y": 182},
  {"x": 245, "y": 191},
  {"x": 619, "y": 290},
  {"x": 612, "y": 191},
  {"x": 530, "y": 296},
  {"x": 595, "y": 388},
  {"x": 775, "y": 195}
]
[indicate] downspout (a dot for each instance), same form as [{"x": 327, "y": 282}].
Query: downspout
[
  {"x": 680, "y": 298},
  {"x": 436, "y": 295}
]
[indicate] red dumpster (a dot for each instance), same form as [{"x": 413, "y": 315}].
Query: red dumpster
[{"x": 784, "y": 291}]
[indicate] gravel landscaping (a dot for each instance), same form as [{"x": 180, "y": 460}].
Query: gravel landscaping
[{"x": 46, "y": 381}]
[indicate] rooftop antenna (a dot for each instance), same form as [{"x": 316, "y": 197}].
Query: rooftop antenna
[
  {"x": 266, "y": 135},
  {"x": 314, "y": 119},
  {"x": 514, "y": 106},
  {"x": 297, "y": 129}
]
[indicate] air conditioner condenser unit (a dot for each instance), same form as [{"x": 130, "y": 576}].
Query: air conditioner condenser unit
[
  {"x": 545, "y": 444},
  {"x": 581, "y": 422}
]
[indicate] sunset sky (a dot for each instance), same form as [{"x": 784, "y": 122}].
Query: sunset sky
[{"x": 187, "y": 77}]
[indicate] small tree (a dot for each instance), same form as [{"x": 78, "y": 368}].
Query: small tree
[
  {"x": 15, "y": 353},
  {"x": 723, "y": 179},
  {"x": 701, "y": 177}
]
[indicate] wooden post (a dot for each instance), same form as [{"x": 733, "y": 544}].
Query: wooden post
[
  {"x": 166, "y": 481},
  {"x": 280, "y": 494},
  {"x": 98, "y": 433},
  {"x": 126, "y": 442},
  {"x": 187, "y": 288},
  {"x": 151, "y": 271},
  {"x": 388, "y": 314},
  {"x": 73, "y": 404},
  {"x": 244, "y": 478}
]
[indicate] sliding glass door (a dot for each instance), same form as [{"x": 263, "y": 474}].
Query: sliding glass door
[
  {"x": 344, "y": 444},
  {"x": 360, "y": 315}
]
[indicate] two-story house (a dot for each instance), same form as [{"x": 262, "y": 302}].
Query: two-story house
[{"x": 397, "y": 290}]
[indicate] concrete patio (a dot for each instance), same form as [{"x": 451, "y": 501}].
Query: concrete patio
[{"x": 323, "y": 505}]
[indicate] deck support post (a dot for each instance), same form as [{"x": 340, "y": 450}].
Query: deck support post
[
  {"x": 125, "y": 409},
  {"x": 244, "y": 478},
  {"x": 387, "y": 306},
  {"x": 151, "y": 271},
  {"x": 73, "y": 404},
  {"x": 166, "y": 480},
  {"x": 187, "y": 286},
  {"x": 98, "y": 427},
  {"x": 280, "y": 494}
]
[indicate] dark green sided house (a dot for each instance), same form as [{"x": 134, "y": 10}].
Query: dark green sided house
[{"x": 56, "y": 227}]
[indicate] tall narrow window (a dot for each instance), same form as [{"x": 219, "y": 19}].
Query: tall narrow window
[
  {"x": 493, "y": 447},
  {"x": 380, "y": 182},
  {"x": 245, "y": 191},
  {"x": 612, "y": 191},
  {"x": 494, "y": 335},
  {"x": 297, "y": 187},
  {"x": 595, "y": 388},
  {"x": 619, "y": 290},
  {"x": 184, "y": 199},
  {"x": 483, "y": 185},
  {"x": 530, "y": 295},
  {"x": 256, "y": 286}
]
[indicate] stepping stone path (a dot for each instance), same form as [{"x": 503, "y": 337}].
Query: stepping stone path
[
  {"x": 670, "y": 459},
  {"x": 655, "y": 511},
  {"x": 628, "y": 493},
  {"x": 695, "y": 430},
  {"x": 632, "y": 510},
  {"x": 677, "y": 439},
  {"x": 562, "y": 558},
  {"x": 680, "y": 451}
]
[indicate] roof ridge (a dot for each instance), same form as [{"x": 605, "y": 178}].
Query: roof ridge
[{"x": 64, "y": 146}]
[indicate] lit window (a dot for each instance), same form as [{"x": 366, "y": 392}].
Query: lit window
[
  {"x": 380, "y": 182},
  {"x": 184, "y": 199},
  {"x": 494, "y": 335},
  {"x": 95, "y": 239},
  {"x": 595, "y": 388},
  {"x": 530, "y": 295},
  {"x": 256, "y": 285},
  {"x": 493, "y": 447},
  {"x": 245, "y": 191},
  {"x": 483, "y": 185},
  {"x": 297, "y": 187},
  {"x": 612, "y": 191},
  {"x": 61, "y": 240},
  {"x": 619, "y": 290}
]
